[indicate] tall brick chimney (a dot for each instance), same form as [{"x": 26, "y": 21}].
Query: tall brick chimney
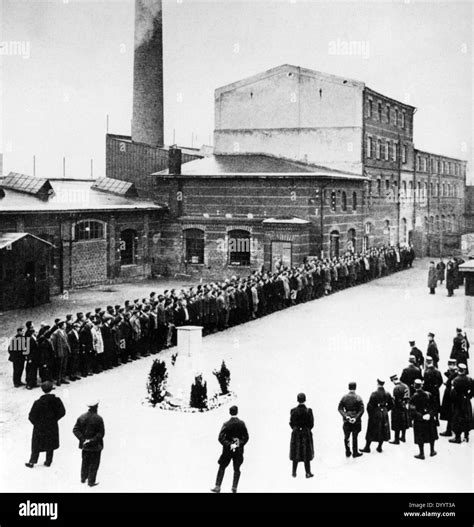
[{"x": 147, "y": 120}]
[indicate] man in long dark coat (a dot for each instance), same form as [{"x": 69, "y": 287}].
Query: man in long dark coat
[
  {"x": 301, "y": 443},
  {"x": 417, "y": 353},
  {"x": 44, "y": 416},
  {"x": 90, "y": 431},
  {"x": 351, "y": 408},
  {"x": 400, "y": 417},
  {"x": 432, "y": 381},
  {"x": 432, "y": 350},
  {"x": 378, "y": 426},
  {"x": 424, "y": 419},
  {"x": 462, "y": 392},
  {"x": 460, "y": 349},
  {"x": 440, "y": 269},
  {"x": 446, "y": 413},
  {"x": 432, "y": 278},
  {"x": 17, "y": 351},
  {"x": 233, "y": 437},
  {"x": 33, "y": 359},
  {"x": 410, "y": 373},
  {"x": 450, "y": 278}
]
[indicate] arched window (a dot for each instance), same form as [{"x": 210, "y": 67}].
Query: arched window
[
  {"x": 239, "y": 247},
  {"x": 194, "y": 246},
  {"x": 333, "y": 201},
  {"x": 395, "y": 117},
  {"x": 404, "y": 230},
  {"x": 443, "y": 190},
  {"x": 128, "y": 247},
  {"x": 351, "y": 240},
  {"x": 443, "y": 222},
  {"x": 426, "y": 224},
  {"x": 437, "y": 223},
  {"x": 418, "y": 190},
  {"x": 404, "y": 190},
  {"x": 437, "y": 189},
  {"x": 449, "y": 190},
  {"x": 379, "y": 186},
  {"x": 88, "y": 230},
  {"x": 343, "y": 201},
  {"x": 425, "y": 190},
  {"x": 410, "y": 189},
  {"x": 334, "y": 244},
  {"x": 354, "y": 201},
  {"x": 378, "y": 151},
  {"x": 431, "y": 189}
]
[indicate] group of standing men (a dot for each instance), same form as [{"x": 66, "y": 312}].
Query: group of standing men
[
  {"x": 450, "y": 272},
  {"x": 91, "y": 342},
  {"x": 415, "y": 402}
]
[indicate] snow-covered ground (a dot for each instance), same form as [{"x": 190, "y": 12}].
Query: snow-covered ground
[{"x": 359, "y": 334}]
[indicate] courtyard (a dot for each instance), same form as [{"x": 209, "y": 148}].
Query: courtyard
[{"x": 359, "y": 334}]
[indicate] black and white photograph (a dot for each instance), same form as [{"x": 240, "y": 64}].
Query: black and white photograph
[{"x": 237, "y": 253}]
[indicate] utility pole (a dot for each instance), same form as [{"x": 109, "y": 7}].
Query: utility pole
[
  {"x": 92, "y": 169},
  {"x": 34, "y": 166},
  {"x": 64, "y": 167}
]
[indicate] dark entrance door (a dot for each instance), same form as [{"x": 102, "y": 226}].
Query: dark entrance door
[{"x": 30, "y": 283}]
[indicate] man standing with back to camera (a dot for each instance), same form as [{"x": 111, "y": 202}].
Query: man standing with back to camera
[
  {"x": 233, "y": 437},
  {"x": 351, "y": 408}
]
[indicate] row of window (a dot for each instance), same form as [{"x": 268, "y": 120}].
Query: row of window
[
  {"x": 421, "y": 191},
  {"x": 385, "y": 149},
  {"x": 333, "y": 200},
  {"x": 440, "y": 167},
  {"x": 443, "y": 223},
  {"x": 386, "y": 113},
  {"x": 238, "y": 247}
]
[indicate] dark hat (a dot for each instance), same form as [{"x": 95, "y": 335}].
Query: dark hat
[
  {"x": 352, "y": 385},
  {"x": 68, "y": 316},
  {"x": 117, "y": 307},
  {"x": 47, "y": 386},
  {"x": 301, "y": 398},
  {"x": 98, "y": 309},
  {"x": 88, "y": 314},
  {"x": 411, "y": 342},
  {"x": 380, "y": 383},
  {"x": 29, "y": 324},
  {"x": 233, "y": 410},
  {"x": 431, "y": 334},
  {"x": 418, "y": 383},
  {"x": 394, "y": 378},
  {"x": 412, "y": 359},
  {"x": 57, "y": 320},
  {"x": 459, "y": 330},
  {"x": 80, "y": 314}
]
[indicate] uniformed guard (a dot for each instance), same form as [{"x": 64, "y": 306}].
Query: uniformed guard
[
  {"x": 460, "y": 349},
  {"x": 410, "y": 374},
  {"x": 400, "y": 417},
  {"x": 432, "y": 381},
  {"x": 432, "y": 350},
  {"x": 351, "y": 408},
  {"x": 233, "y": 437},
  {"x": 446, "y": 413},
  {"x": 462, "y": 392},
  {"x": 424, "y": 419},
  {"x": 378, "y": 426},
  {"x": 301, "y": 444},
  {"x": 417, "y": 353}
]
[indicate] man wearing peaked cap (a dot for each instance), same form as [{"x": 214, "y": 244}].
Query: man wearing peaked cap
[
  {"x": 420, "y": 360},
  {"x": 90, "y": 431},
  {"x": 460, "y": 349},
  {"x": 432, "y": 383},
  {"x": 424, "y": 420},
  {"x": 432, "y": 350},
  {"x": 378, "y": 426},
  {"x": 400, "y": 416},
  {"x": 351, "y": 408},
  {"x": 462, "y": 392},
  {"x": 410, "y": 373}
]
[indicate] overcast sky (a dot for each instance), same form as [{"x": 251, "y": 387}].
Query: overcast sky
[{"x": 66, "y": 64}]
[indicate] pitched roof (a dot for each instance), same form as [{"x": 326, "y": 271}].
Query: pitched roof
[
  {"x": 27, "y": 184},
  {"x": 71, "y": 195},
  {"x": 115, "y": 186},
  {"x": 256, "y": 164},
  {"x": 9, "y": 238}
]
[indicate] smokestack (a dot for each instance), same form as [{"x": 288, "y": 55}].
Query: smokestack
[
  {"x": 147, "y": 122},
  {"x": 174, "y": 160}
]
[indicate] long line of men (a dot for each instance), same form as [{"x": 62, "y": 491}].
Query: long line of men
[
  {"x": 415, "y": 402},
  {"x": 77, "y": 347}
]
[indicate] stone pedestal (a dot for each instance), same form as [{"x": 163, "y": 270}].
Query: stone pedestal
[{"x": 188, "y": 363}]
